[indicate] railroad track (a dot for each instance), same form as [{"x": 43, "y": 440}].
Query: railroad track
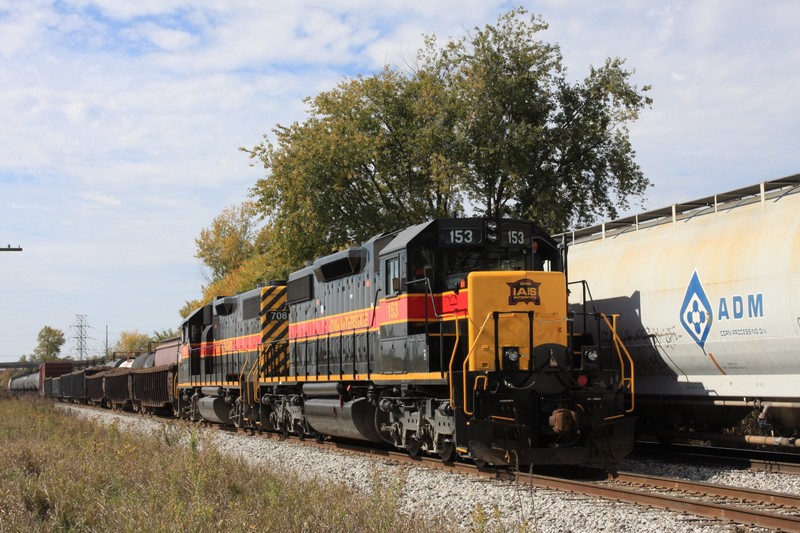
[
  {"x": 739, "y": 505},
  {"x": 776, "y": 511},
  {"x": 758, "y": 460}
]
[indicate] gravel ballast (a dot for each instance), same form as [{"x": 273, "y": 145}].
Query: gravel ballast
[{"x": 506, "y": 506}]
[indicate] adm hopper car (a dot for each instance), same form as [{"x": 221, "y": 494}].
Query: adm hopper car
[{"x": 709, "y": 299}]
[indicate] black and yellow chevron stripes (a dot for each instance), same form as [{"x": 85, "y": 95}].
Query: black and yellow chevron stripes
[{"x": 274, "y": 314}]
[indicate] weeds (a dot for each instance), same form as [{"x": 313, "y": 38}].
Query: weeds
[{"x": 64, "y": 473}]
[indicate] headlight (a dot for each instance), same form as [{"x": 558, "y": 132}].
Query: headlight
[
  {"x": 511, "y": 353},
  {"x": 591, "y": 355}
]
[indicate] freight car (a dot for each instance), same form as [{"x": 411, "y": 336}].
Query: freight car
[
  {"x": 451, "y": 337},
  {"x": 709, "y": 297},
  {"x": 28, "y": 383},
  {"x": 35, "y": 382},
  {"x": 50, "y": 370}
]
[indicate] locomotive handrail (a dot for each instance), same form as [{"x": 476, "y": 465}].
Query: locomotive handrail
[
  {"x": 450, "y": 366},
  {"x": 252, "y": 376},
  {"x": 620, "y": 348},
  {"x": 244, "y": 365},
  {"x": 467, "y": 358},
  {"x": 495, "y": 315},
  {"x": 586, "y": 298},
  {"x": 429, "y": 292}
]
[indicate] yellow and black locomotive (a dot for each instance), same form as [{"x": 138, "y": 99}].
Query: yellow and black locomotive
[{"x": 451, "y": 337}]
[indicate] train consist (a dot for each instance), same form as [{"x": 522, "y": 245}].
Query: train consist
[
  {"x": 451, "y": 338},
  {"x": 708, "y": 294},
  {"x": 142, "y": 383}
]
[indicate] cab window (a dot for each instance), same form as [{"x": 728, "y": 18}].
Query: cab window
[{"x": 392, "y": 276}]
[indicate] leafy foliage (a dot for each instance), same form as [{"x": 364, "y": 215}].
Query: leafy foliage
[
  {"x": 50, "y": 340},
  {"x": 370, "y": 158},
  {"x": 532, "y": 144},
  {"x": 228, "y": 242},
  {"x": 487, "y": 125},
  {"x": 132, "y": 342},
  {"x": 164, "y": 334}
]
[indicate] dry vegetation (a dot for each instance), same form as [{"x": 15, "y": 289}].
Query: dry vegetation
[{"x": 61, "y": 473}]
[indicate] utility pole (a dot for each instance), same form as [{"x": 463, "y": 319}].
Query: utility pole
[{"x": 10, "y": 249}]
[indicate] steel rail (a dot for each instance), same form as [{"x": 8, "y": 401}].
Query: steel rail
[
  {"x": 759, "y": 460},
  {"x": 724, "y": 491},
  {"x": 672, "y": 503}
]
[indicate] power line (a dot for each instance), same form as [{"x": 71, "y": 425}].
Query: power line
[
  {"x": 81, "y": 336},
  {"x": 10, "y": 249}
]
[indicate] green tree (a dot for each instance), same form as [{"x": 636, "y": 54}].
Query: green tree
[
  {"x": 228, "y": 242},
  {"x": 537, "y": 146},
  {"x": 370, "y": 158},
  {"x": 50, "y": 340},
  {"x": 487, "y": 124},
  {"x": 164, "y": 334},
  {"x": 132, "y": 342}
]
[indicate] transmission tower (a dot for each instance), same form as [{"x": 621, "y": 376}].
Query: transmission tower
[{"x": 80, "y": 335}]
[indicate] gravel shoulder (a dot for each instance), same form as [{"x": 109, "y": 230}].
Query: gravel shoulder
[{"x": 470, "y": 503}]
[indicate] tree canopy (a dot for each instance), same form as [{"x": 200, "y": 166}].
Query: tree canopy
[
  {"x": 486, "y": 125},
  {"x": 50, "y": 340},
  {"x": 235, "y": 271},
  {"x": 132, "y": 342},
  {"x": 228, "y": 242}
]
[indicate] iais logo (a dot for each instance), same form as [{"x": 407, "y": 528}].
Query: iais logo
[
  {"x": 524, "y": 291},
  {"x": 696, "y": 313}
]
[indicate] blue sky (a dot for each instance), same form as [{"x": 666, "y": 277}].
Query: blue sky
[{"x": 120, "y": 123}]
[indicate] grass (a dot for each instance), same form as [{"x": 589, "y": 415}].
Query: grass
[{"x": 63, "y": 473}]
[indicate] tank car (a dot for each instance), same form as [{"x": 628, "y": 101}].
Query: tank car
[
  {"x": 709, "y": 299},
  {"x": 24, "y": 384},
  {"x": 450, "y": 337}
]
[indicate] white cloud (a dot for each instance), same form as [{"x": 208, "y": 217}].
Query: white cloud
[
  {"x": 101, "y": 199},
  {"x": 121, "y": 121}
]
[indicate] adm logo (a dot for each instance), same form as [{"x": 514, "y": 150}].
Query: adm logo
[
  {"x": 524, "y": 291},
  {"x": 696, "y": 312}
]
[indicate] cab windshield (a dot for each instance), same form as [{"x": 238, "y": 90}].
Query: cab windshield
[{"x": 456, "y": 263}]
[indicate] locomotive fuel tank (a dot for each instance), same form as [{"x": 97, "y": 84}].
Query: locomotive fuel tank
[{"x": 708, "y": 292}]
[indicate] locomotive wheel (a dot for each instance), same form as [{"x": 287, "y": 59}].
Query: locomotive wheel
[
  {"x": 447, "y": 451},
  {"x": 413, "y": 446}
]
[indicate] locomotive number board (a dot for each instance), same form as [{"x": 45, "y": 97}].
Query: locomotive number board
[{"x": 505, "y": 234}]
